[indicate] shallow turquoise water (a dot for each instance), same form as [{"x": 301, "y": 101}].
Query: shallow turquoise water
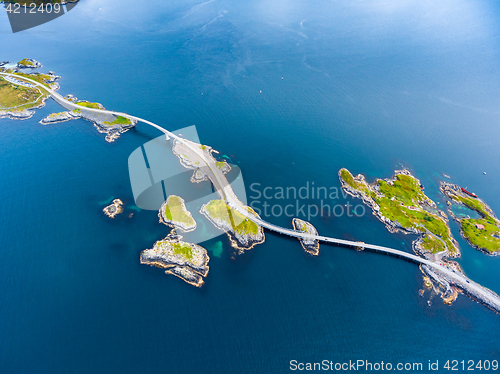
[{"x": 369, "y": 86}]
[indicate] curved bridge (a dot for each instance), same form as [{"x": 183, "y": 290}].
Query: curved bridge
[{"x": 482, "y": 294}]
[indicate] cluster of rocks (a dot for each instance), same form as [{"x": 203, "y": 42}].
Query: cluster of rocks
[
  {"x": 60, "y": 117},
  {"x": 163, "y": 255},
  {"x": 449, "y": 289},
  {"x": 30, "y": 64},
  {"x": 112, "y": 210}
]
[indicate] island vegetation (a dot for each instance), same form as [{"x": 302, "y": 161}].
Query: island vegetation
[
  {"x": 17, "y": 99},
  {"x": 402, "y": 205},
  {"x": 173, "y": 213},
  {"x": 118, "y": 121},
  {"x": 46, "y": 80},
  {"x": 482, "y": 233},
  {"x": 90, "y": 105},
  {"x": 29, "y": 63},
  {"x": 399, "y": 202},
  {"x": 223, "y": 166},
  {"x": 16, "y": 96},
  {"x": 243, "y": 233}
]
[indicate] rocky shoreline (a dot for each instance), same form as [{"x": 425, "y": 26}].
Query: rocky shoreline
[
  {"x": 187, "y": 275},
  {"x": 449, "y": 289},
  {"x": 454, "y": 192},
  {"x": 29, "y": 63},
  {"x": 311, "y": 246},
  {"x": 21, "y": 114},
  {"x": 445, "y": 288},
  {"x": 394, "y": 226},
  {"x": 185, "y": 260},
  {"x": 112, "y": 210},
  {"x": 59, "y": 117},
  {"x": 102, "y": 121}
]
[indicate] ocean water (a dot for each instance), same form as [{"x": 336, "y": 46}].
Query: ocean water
[{"x": 290, "y": 92}]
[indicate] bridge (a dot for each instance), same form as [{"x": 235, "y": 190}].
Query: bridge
[{"x": 221, "y": 185}]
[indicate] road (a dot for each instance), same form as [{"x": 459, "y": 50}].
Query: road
[{"x": 226, "y": 193}]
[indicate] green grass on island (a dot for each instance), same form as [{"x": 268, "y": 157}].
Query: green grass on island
[
  {"x": 183, "y": 249},
  {"x": 405, "y": 189},
  {"x": 398, "y": 201},
  {"x": 119, "y": 121},
  {"x": 39, "y": 78},
  {"x": 220, "y": 164},
  {"x": 175, "y": 211},
  {"x": 89, "y": 105},
  {"x": 349, "y": 179},
  {"x": 21, "y": 97},
  {"x": 487, "y": 238},
  {"x": 301, "y": 225},
  {"x": 433, "y": 244},
  {"x": 477, "y": 205},
  {"x": 26, "y": 62},
  {"x": 218, "y": 209}
]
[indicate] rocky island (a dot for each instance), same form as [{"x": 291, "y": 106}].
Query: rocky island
[
  {"x": 482, "y": 233},
  {"x": 60, "y": 117},
  {"x": 311, "y": 246},
  {"x": 28, "y": 63},
  {"x": 184, "y": 260},
  {"x": 401, "y": 204},
  {"x": 173, "y": 213},
  {"x": 112, "y": 210},
  {"x": 243, "y": 233},
  {"x": 108, "y": 124}
]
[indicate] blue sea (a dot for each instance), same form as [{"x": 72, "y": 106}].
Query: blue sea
[{"x": 290, "y": 91}]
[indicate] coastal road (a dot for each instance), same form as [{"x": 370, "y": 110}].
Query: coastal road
[{"x": 226, "y": 193}]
